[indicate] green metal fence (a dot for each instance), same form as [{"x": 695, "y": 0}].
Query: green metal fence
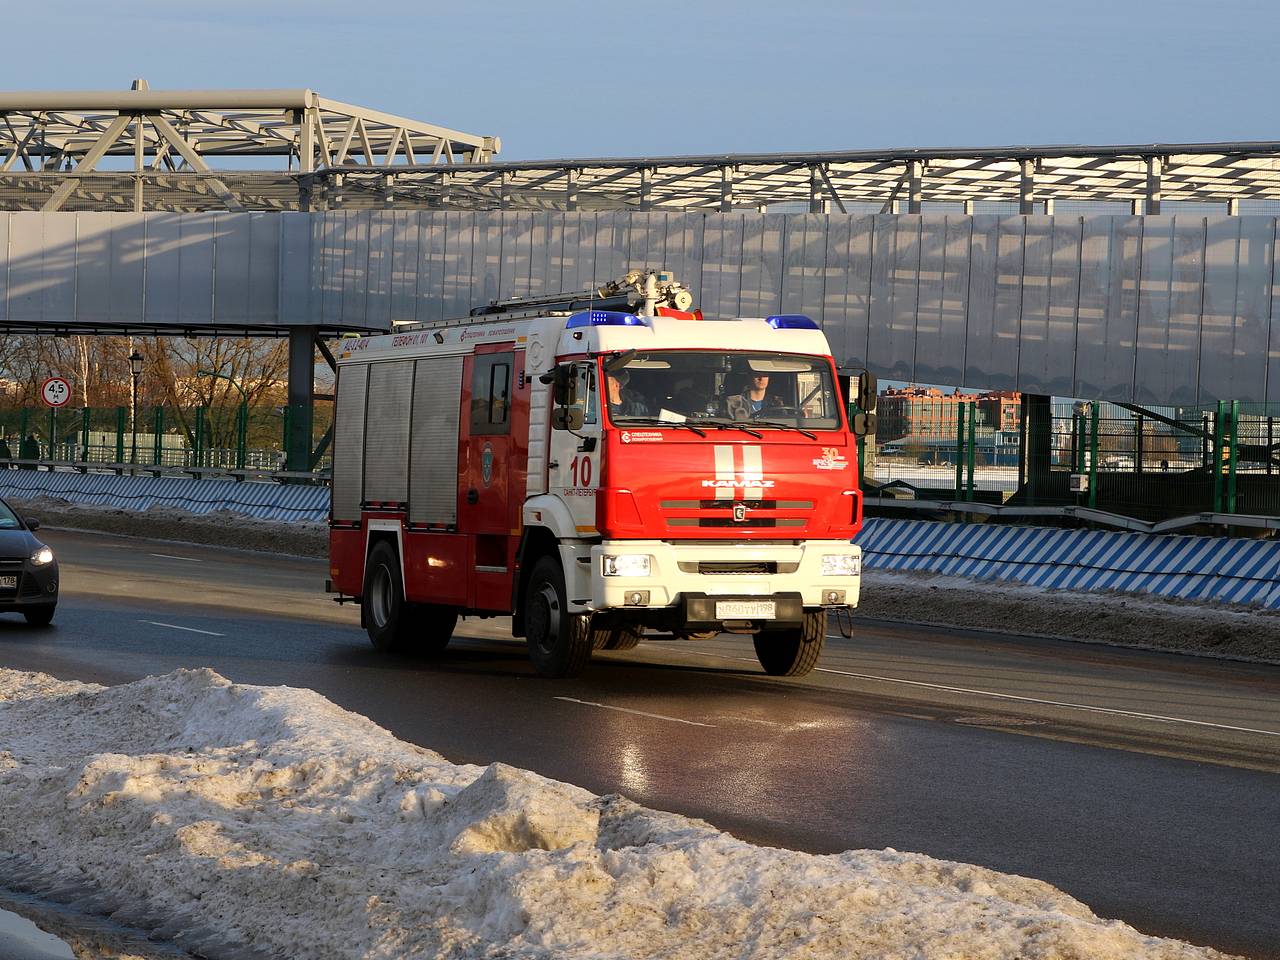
[
  {"x": 230, "y": 437},
  {"x": 1148, "y": 463}
]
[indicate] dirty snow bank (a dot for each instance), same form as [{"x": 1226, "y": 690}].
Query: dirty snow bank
[
  {"x": 1122, "y": 619},
  {"x": 269, "y": 818}
]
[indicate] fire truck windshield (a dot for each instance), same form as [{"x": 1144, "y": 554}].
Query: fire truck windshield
[{"x": 769, "y": 389}]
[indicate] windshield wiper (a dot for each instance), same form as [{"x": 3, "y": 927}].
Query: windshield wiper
[
  {"x": 785, "y": 426},
  {"x": 730, "y": 425},
  {"x": 658, "y": 422}
]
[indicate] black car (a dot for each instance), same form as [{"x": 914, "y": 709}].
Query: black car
[{"x": 28, "y": 570}]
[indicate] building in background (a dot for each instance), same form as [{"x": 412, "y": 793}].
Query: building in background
[{"x": 927, "y": 413}]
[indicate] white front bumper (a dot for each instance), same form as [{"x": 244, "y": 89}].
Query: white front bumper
[{"x": 799, "y": 569}]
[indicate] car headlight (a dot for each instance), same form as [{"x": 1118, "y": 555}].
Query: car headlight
[
  {"x": 42, "y": 557},
  {"x": 841, "y": 565},
  {"x": 627, "y": 565}
]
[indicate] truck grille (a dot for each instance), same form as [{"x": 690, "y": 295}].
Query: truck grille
[
  {"x": 719, "y": 513},
  {"x": 736, "y": 567}
]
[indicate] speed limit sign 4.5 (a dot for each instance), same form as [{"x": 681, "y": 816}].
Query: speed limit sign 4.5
[{"x": 55, "y": 392}]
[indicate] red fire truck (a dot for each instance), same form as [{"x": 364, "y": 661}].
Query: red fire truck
[{"x": 594, "y": 468}]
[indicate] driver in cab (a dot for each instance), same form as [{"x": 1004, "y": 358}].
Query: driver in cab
[
  {"x": 622, "y": 402},
  {"x": 754, "y": 399}
]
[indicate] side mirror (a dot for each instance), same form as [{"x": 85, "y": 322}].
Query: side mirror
[
  {"x": 562, "y": 385},
  {"x": 867, "y": 392},
  {"x": 568, "y": 418},
  {"x": 31, "y": 522},
  {"x": 864, "y": 424}
]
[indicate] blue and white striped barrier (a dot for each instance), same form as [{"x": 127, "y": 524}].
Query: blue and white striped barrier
[
  {"x": 266, "y": 501},
  {"x": 1224, "y": 569}
]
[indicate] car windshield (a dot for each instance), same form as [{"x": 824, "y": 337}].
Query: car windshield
[
  {"x": 8, "y": 519},
  {"x": 752, "y": 389}
]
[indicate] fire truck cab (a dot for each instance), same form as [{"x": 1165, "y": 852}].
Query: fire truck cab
[{"x": 594, "y": 472}]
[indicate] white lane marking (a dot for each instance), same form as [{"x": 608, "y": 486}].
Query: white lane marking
[
  {"x": 174, "y": 626},
  {"x": 1010, "y": 696},
  {"x": 169, "y": 556},
  {"x": 638, "y": 713},
  {"x": 1053, "y": 703}
]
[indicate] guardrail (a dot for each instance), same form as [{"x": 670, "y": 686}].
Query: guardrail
[
  {"x": 161, "y": 470},
  {"x": 246, "y": 495}
]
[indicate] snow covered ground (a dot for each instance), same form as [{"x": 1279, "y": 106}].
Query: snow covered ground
[{"x": 269, "y": 818}]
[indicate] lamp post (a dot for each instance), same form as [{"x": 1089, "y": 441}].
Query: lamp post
[
  {"x": 135, "y": 371},
  {"x": 242, "y": 418}
]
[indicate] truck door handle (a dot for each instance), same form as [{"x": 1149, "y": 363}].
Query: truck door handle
[{"x": 473, "y": 495}]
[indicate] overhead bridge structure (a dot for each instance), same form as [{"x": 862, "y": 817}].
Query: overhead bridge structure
[{"x": 1142, "y": 273}]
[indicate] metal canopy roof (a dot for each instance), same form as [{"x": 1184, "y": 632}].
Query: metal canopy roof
[
  {"x": 54, "y": 145},
  {"x": 145, "y": 149},
  {"x": 895, "y": 180}
]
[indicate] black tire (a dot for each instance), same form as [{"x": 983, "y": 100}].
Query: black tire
[
  {"x": 616, "y": 638},
  {"x": 431, "y": 627},
  {"x": 560, "y": 642},
  {"x": 39, "y": 616},
  {"x": 382, "y": 606},
  {"x": 794, "y": 652}
]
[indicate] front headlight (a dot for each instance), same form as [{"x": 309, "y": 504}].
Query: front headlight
[
  {"x": 627, "y": 565},
  {"x": 841, "y": 565},
  {"x": 42, "y": 557}
]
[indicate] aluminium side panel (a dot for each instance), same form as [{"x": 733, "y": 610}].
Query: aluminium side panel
[
  {"x": 930, "y": 349},
  {"x": 348, "y": 441},
  {"x": 980, "y": 332},
  {"x": 1217, "y": 333},
  {"x": 1122, "y": 310},
  {"x": 61, "y": 266},
  {"x": 232, "y": 250},
  {"x": 1186, "y": 298},
  {"x": 1273, "y": 341},
  {"x": 1152, "y": 367},
  {"x": 1091, "y": 315},
  {"x": 1063, "y": 307},
  {"x": 1035, "y": 355},
  {"x": 386, "y": 434},
  {"x": 1253, "y": 307},
  {"x": 433, "y": 441}
]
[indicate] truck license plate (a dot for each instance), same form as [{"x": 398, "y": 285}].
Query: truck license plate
[
  {"x": 745, "y": 610},
  {"x": 8, "y": 583}
]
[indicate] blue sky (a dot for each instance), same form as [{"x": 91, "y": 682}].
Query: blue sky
[{"x": 572, "y": 78}]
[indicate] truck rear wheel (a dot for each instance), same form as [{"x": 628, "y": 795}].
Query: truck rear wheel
[
  {"x": 382, "y": 606},
  {"x": 431, "y": 627},
  {"x": 560, "y": 642},
  {"x": 794, "y": 652}
]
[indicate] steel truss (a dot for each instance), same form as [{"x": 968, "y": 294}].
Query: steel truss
[
  {"x": 891, "y": 181},
  {"x": 145, "y": 149}
]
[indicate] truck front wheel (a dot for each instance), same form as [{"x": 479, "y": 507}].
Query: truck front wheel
[
  {"x": 559, "y": 641},
  {"x": 794, "y": 652}
]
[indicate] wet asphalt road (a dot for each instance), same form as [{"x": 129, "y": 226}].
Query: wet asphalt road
[{"x": 1146, "y": 785}]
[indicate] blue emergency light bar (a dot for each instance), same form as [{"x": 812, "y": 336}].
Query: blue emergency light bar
[
  {"x": 791, "y": 321},
  {"x": 605, "y": 318}
]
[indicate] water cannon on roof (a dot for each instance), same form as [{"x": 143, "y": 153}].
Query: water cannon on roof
[{"x": 640, "y": 292}]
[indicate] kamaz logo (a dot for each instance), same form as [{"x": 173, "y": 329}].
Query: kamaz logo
[
  {"x": 732, "y": 476},
  {"x": 739, "y": 482}
]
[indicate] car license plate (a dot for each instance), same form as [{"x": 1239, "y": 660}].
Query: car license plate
[
  {"x": 8, "y": 583},
  {"x": 745, "y": 610}
]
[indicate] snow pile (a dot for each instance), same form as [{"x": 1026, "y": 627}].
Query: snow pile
[{"x": 270, "y": 818}]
